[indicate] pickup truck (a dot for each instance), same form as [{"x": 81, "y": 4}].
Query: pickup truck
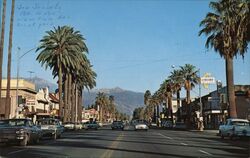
[{"x": 235, "y": 128}]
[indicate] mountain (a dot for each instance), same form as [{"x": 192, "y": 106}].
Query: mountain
[
  {"x": 126, "y": 101},
  {"x": 41, "y": 83}
]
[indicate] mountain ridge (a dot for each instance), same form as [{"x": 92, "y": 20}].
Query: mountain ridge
[{"x": 126, "y": 100}]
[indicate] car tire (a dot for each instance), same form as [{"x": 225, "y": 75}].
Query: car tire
[
  {"x": 221, "y": 135},
  {"x": 37, "y": 140},
  {"x": 112, "y": 128},
  {"x": 24, "y": 142},
  {"x": 54, "y": 136}
]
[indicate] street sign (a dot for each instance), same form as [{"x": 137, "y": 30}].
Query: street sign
[{"x": 207, "y": 80}]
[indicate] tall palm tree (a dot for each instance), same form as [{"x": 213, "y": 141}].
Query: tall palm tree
[
  {"x": 2, "y": 46},
  {"x": 59, "y": 49},
  {"x": 8, "y": 101},
  {"x": 227, "y": 28},
  {"x": 177, "y": 82},
  {"x": 191, "y": 78}
]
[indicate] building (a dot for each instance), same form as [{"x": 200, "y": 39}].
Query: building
[
  {"x": 215, "y": 105},
  {"x": 25, "y": 93},
  {"x": 89, "y": 114},
  {"x": 47, "y": 104}
]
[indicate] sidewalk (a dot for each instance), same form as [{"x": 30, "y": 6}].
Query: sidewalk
[{"x": 208, "y": 131}]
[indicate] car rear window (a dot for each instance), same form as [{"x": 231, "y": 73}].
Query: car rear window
[{"x": 240, "y": 123}]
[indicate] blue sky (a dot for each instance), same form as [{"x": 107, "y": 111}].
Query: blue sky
[{"x": 132, "y": 43}]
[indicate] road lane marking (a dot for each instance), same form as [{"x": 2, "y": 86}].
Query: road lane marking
[
  {"x": 205, "y": 152},
  {"x": 108, "y": 153},
  {"x": 165, "y": 136},
  {"x": 184, "y": 144},
  {"x": 13, "y": 152},
  {"x": 28, "y": 147}
]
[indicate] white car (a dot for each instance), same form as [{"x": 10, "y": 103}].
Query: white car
[
  {"x": 235, "y": 128},
  {"x": 140, "y": 125}
]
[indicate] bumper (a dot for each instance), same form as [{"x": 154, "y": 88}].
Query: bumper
[
  {"x": 48, "y": 132},
  {"x": 11, "y": 138}
]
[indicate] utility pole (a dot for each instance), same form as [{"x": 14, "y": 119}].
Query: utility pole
[
  {"x": 17, "y": 79},
  {"x": 31, "y": 72},
  {"x": 200, "y": 102}
]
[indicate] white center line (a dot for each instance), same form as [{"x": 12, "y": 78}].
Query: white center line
[
  {"x": 184, "y": 144},
  {"x": 165, "y": 136},
  {"x": 205, "y": 152}
]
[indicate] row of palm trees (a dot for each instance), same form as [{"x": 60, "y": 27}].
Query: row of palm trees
[
  {"x": 3, "y": 12},
  {"x": 184, "y": 77},
  {"x": 63, "y": 50},
  {"x": 228, "y": 31},
  {"x": 107, "y": 108}
]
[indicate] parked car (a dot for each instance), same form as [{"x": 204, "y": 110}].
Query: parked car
[
  {"x": 140, "y": 125},
  {"x": 21, "y": 131},
  {"x": 77, "y": 126},
  {"x": 234, "y": 128},
  {"x": 69, "y": 126},
  {"x": 91, "y": 125},
  {"x": 167, "y": 124},
  {"x": 117, "y": 125},
  {"x": 180, "y": 126},
  {"x": 50, "y": 127}
]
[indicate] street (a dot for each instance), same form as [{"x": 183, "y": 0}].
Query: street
[{"x": 105, "y": 143}]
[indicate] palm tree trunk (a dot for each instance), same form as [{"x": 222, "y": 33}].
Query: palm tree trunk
[
  {"x": 188, "y": 123},
  {"x": 80, "y": 106},
  {"x": 60, "y": 88},
  {"x": 7, "y": 106},
  {"x": 73, "y": 103},
  {"x": 178, "y": 102},
  {"x": 230, "y": 88},
  {"x": 69, "y": 96},
  {"x": 1, "y": 48},
  {"x": 170, "y": 107},
  {"x": 65, "y": 118}
]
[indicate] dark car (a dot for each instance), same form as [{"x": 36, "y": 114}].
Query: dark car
[
  {"x": 91, "y": 125},
  {"x": 117, "y": 125},
  {"x": 21, "y": 131}
]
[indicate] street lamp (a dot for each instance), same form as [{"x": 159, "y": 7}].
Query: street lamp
[{"x": 18, "y": 67}]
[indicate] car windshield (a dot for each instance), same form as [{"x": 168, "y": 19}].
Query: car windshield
[
  {"x": 13, "y": 123},
  {"x": 46, "y": 122},
  {"x": 240, "y": 123},
  {"x": 117, "y": 122}
]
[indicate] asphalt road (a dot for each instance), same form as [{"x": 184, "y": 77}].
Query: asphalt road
[{"x": 105, "y": 143}]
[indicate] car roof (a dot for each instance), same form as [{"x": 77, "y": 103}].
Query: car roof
[{"x": 243, "y": 120}]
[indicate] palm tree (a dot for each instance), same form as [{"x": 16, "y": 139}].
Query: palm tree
[
  {"x": 59, "y": 49},
  {"x": 2, "y": 46},
  {"x": 227, "y": 28},
  {"x": 101, "y": 101},
  {"x": 8, "y": 101},
  {"x": 177, "y": 82},
  {"x": 190, "y": 77},
  {"x": 147, "y": 96}
]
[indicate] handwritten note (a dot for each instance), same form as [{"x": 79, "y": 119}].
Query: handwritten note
[{"x": 38, "y": 14}]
